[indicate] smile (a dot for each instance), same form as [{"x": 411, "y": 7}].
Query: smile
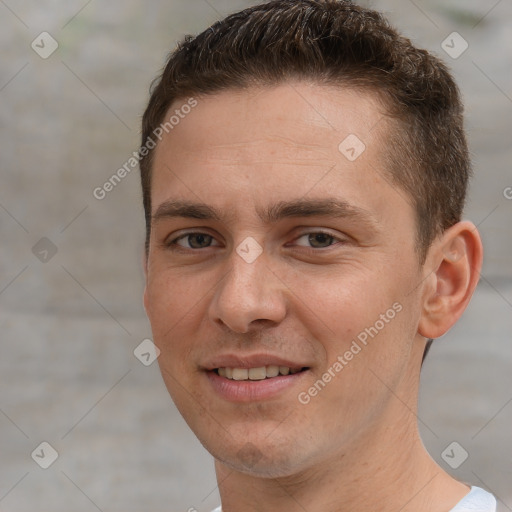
[
  {"x": 260, "y": 373},
  {"x": 256, "y": 384}
]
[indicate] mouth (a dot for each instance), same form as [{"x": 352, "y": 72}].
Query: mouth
[
  {"x": 257, "y": 383},
  {"x": 258, "y": 373}
]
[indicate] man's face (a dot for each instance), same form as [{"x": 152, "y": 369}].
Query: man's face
[{"x": 294, "y": 291}]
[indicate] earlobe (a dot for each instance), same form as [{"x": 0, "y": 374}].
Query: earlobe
[
  {"x": 145, "y": 299},
  {"x": 456, "y": 260},
  {"x": 145, "y": 264}
]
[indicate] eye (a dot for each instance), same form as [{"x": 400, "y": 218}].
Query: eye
[
  {"x": 318, "y": 239},
  {"x": 195, "y": 241}
]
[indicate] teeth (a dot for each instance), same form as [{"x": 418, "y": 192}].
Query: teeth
[
  {"x": 260, "y": 373},
  {"x": 257, "y": 373},
  {"x": 272, "y": 371},
  {"x": 240, "y": 373}
]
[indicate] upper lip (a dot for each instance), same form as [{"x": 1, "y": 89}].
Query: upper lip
[{"x": 249, "y": 361}]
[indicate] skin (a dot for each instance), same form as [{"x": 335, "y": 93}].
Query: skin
[{"x": 355, "y": 445}]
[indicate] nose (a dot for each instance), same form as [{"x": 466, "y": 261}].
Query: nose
[{"x": 249, "y": 294}]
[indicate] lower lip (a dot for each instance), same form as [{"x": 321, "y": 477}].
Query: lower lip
[{"x": 251, "y": 390}]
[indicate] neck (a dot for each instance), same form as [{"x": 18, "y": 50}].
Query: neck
[{"x": 386, "y": 468}]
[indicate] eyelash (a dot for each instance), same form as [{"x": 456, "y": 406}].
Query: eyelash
[{"x": 172, "y": 244}]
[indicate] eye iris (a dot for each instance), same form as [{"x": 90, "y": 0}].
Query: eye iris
[
  {"x": 314, "y": 238},
  {"x": 201, "y": 238}
]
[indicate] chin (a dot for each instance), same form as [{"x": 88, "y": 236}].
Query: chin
[
  {"x": 264, "y": 455},
  {"x": 252, "y": 461}
]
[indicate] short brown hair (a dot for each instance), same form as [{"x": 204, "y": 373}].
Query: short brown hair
[{"x": 334, "y": 42}]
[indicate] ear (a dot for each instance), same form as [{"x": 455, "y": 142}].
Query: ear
[
  {"x": 145, "y": 267},
  {"x": 455, "y": 260}
]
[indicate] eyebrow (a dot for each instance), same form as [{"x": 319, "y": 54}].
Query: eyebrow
[{"x": 326, "y": 207}]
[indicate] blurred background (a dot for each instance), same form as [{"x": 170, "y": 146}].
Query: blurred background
[{"x": 74, "y": 81}]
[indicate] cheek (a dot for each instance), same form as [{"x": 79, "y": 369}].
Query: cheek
[
  {"x": 170, "y": 298},
  {"x": 363, "y": 316},
  {"x": 340, "y": 304},
  {"x": 171, "y": 306}
]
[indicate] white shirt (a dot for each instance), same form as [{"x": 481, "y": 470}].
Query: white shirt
[{"x": 477, "y": 500}]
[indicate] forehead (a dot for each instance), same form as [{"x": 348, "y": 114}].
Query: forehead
[
  {"x": 278, "y": 143},
  {"x": 307, "y": 115}
]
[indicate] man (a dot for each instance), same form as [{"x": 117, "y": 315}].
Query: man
[{"x": 304, "y": 170}]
